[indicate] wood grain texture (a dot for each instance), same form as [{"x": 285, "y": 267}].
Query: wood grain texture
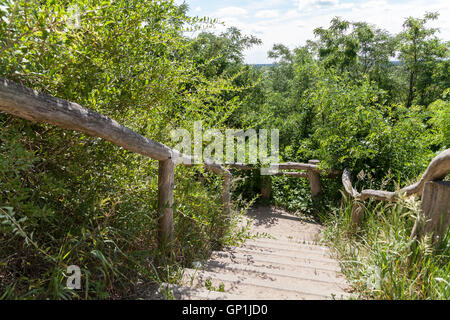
[
  {"x": 28, "y": 104},
  {"x": 438, "y": 168},
  {"x": 435, "y": 208},
  {"x": 166, "y": 172},
  {"x": 314, "y": 180}
]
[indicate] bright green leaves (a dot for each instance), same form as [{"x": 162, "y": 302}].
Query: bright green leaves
[
  {"x": 423, "y": 55},
  {"x": 84, "y": 200},
  {"x": 440, "y": 111}
]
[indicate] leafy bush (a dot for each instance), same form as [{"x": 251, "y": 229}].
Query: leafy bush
[
  {"x": 381, "y": 261},
  {"x": 67, "y": 198}
]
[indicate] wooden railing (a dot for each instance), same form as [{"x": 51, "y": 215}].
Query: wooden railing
[
  {"x": 312, "y": 169},
  {"x": 435, "y": 206},
  {"x": 29, "y": 104}
]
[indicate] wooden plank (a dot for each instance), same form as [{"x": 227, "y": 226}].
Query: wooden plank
[
  {"x": 291, "y": 174},
  {"x": 297, "y": 166}
]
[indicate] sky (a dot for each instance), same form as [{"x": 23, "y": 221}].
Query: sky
[{"x": 291, "y": 22}]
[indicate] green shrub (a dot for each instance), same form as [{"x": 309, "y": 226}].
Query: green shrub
[{"x": 380, "y": 260}]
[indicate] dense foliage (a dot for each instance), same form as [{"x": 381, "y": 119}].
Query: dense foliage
[
  {"x": 67, "y": 198},
  {"x": 343, "y": 99}
]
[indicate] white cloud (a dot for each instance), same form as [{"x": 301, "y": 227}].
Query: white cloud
[
  {"x": 292, "y": 25},
  {"x": 267, "y": 14},
  {"x": 266, "y": 4},
  {"x": 231, "y": 12},
  {"x": 309, "y": 4}
]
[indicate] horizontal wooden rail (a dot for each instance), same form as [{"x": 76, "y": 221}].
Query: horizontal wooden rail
[
  {"x": 292, "y": 174},
  {"x": 438, "y": 168},
  {"x": 434, "y": 217},
  {"x": 29, "y": 104}
]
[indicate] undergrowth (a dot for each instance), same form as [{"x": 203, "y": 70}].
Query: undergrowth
[
  {"x": 379, "y": 258},
  {"x": 97, "y": 209}
]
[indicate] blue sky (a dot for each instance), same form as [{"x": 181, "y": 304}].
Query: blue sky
[{"x": 292, "y": 22}]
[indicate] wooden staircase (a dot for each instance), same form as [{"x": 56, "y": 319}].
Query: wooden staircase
[{"x": 286, "y": 265}]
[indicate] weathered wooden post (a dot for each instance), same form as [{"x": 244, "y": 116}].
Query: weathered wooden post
[
  {"x": 166, "y": 174},
  {"x": 357, "y": 213},
  {"x": 314, "y": 180},
  {"x": 265, "y": 186},
  {"x": 435, "y": 210},
  {"x": 358, "y": 205},
  {"x": 226, "y": 186}
]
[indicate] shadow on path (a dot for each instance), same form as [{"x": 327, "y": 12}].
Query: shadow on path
[{"x": 271, "y": 215}]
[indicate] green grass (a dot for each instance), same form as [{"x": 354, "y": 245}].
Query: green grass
[
  {"x": 117, "y": 249},
  {"x": 379, "y": 258}
]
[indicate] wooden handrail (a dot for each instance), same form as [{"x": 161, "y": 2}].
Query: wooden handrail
[
  {"x": 435, "y": 206},
  {"x": 29, "y": 104},
  {"x": 438, "y": 168}
]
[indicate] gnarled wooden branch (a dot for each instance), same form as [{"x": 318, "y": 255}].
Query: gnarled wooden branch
[{"x": 438, "y": 168}]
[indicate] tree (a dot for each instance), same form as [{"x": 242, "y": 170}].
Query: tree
[
  {"x": 420, "y": 53},
  {"x": 360, "y": 49}
]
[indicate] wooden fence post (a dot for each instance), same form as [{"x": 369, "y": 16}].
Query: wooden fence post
[
  {"x": 166, "y": 173},
  {"x": 265, "y": 186},
  {"x": 357, "y": 212},
  {"x": 435, "y": 210},
  {"x": 314, "y": 180},
  {"x": 226, "y": 186}
]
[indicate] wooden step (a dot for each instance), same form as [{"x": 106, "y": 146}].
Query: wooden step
[
  {"x": 291, "y": 253},
  {"x": 295, "y": 244},
  {"x": 178, "y": 292},
  {"x": 271, "y": 273},
  {"x": 242, "y": 285},
  {"x": 250, "y": 257}
]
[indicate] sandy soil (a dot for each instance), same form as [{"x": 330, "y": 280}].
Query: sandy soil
[{"x": 283, "y": 225}]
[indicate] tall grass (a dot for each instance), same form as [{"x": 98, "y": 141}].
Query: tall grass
[
  {"x": 379, "y": 258},
  {"x": 115, "y": 241}
]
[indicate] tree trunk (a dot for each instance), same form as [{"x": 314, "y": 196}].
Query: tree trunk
[
  {"x": 411, "y": 90},
  {"x": 226, "y": 186}
]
